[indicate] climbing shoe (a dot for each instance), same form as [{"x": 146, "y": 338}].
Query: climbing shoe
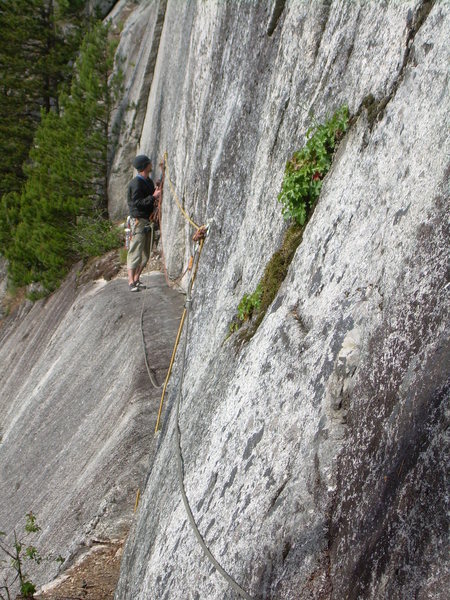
[
  {"x": 133, "y": 287},
  {"x": 140, "y": 285}
]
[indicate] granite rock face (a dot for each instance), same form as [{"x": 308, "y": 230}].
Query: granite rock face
[
  {"x": 99, "y": 7},
  {"x": 315, "y": 454},
  {"x": 139, "y": 27},
  {"x": 78, "y": 411}
]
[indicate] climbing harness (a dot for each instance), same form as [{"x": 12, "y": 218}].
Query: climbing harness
[{"x": 199, "y": 239}]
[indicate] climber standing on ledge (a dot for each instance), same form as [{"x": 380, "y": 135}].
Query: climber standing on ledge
[{"x": 142, "y": 197}]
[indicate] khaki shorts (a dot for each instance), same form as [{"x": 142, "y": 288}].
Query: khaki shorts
[{"x": 139, "y": 251}]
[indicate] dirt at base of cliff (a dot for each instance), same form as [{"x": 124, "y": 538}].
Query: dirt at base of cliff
[{"x": 93, "y": 577}]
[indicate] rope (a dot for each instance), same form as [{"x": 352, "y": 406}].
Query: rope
[
  {"x": 199, "y": 238},
  {"x": 171, "y": 281},
  {"x": 169, "y": 370},
  {"x": 180, "y": 468},
  {"x": 138, "y": 497},
  {"x": 174, "y": 193}
]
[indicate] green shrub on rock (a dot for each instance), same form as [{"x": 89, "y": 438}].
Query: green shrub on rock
[
  {"x": 301, "y": 187},
  {"x": 305, "y": 171}
]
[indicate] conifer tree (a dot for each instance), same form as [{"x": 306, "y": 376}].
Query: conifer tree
[
  {"x": 38, "y": 41},
  {"x": 63, "y": 207},
  {"x": 94, "y": 92}
]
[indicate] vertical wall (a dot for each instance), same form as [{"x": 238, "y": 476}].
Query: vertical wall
[{"x": 305, "y": 449}]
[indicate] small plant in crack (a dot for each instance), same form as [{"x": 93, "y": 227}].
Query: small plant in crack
[
  {"x": 303, "y": 179},
  {"x": 305, "y": 171}
]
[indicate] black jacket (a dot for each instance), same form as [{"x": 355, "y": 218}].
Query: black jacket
[{"x": 140, "y": 197}]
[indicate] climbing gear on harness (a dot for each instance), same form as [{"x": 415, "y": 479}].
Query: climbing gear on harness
[
  {"x": 128, "y": 233},
  {"x": 200, "y": 234}
]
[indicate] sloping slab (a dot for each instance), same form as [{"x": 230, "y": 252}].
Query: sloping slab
[{"x": 78, "y": 410}]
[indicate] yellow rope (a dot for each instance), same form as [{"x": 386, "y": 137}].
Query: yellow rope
[
  {"x": 179, "y": 455},
  {"x": 138, "y": 497},
  {"x": 180, "y": 328},
  {"x": 174, "y": 193},
  {"x": 170, "y": 370},
  {"x": 177, "y": 341},
  {"x": 199, "y": 238}
]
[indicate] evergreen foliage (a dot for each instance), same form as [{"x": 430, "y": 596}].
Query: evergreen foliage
[
  {"x": 62, "y": 208},
  {"x": 38, "y": 43}
]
